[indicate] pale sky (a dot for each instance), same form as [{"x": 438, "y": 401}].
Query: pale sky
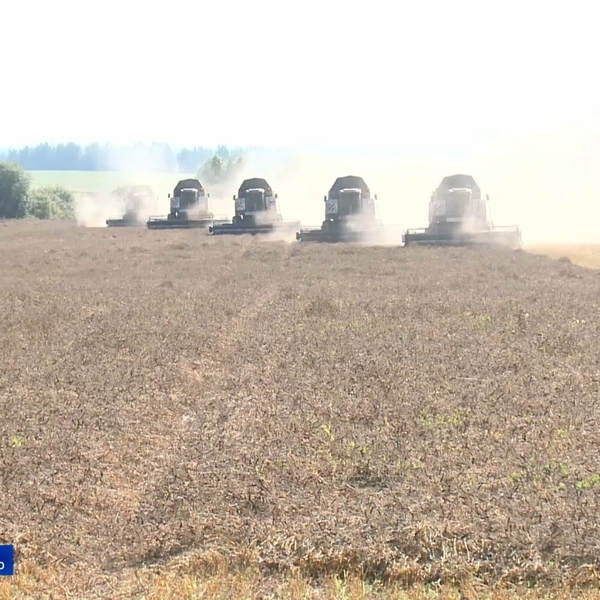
[{"x": 325, "y": 72}]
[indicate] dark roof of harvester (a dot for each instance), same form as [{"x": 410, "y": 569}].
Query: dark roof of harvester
[
  {"x": 140, "y": 189},
  {"x": 254, "y": 182},
  {"x": 349, "y": 181},
  {"x": 188, "y": 183},
  {"x": 460, "y": 181}
]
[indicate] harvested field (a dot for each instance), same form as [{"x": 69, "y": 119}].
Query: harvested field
[{"x": 408, "y": 415}]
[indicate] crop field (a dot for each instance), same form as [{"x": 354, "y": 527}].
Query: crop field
[
  {"x": 585, "y": 255},
  {"x": 194, "y": 417}
]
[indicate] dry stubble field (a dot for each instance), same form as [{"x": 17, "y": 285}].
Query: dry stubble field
[{"x": 192, "y": 417}]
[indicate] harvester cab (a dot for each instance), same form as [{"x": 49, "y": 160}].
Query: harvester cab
[
  {"x": 138, "y": 197},
  {"x": 189, "y": 208},
  {"x": 350, "y": 213},
  {"x": 134, "y": 202},
  {"x": 258, "y": 204},
  {"x": 189, "y": 199},
  {"x": 348, "y": 203},
  {"x": 458, "y": 216},
  {"x": 256, "y": 211},
  {"x": 458, "y": 205}
]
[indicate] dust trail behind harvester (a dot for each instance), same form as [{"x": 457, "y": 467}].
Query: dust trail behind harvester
[
  {"x": 94, "y": 207},
  {"x": 544, "y": 181},
  {"x": 303, "y": 178}
]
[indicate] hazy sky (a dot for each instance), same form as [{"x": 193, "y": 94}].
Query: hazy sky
[{"x": 276, "y": 73}]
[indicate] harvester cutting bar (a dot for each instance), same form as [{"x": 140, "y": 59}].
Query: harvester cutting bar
[
  {"x": 164, "y": 223},
  {"x": 317, "y": 234},
  {"x": 499, "y": 236},
  {"x": 120, "y": 222},
  {"x": 230, "y": 229}
]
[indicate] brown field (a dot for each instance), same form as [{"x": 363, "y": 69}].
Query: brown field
[
  {"x": 187, "y": 417},
  {"x": 585, "y": 255}
]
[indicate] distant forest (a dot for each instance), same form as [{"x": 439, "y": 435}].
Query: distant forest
[{"x": 107, "y": 157}]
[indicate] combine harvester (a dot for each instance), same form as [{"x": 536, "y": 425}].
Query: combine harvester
[
  {"x": 458, "y": 216},
  {"x": 138, "y": 197},
  {"x": 256, "y": 212},
  {"x": 189, "y": 208},
  {"x": 350, "y": 214}
]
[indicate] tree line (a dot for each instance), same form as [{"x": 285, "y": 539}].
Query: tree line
[
  {"x": 110, "y": 157},
  {"x": 19, "y": 201}
]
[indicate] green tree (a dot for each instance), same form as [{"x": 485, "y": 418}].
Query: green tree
[
  {"x": 54, "y": 202},
  {"x": 219, "y": 170},
  {"x": 14, "y": 188}
]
